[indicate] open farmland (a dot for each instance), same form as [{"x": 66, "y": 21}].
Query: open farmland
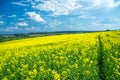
[{"x": 90, "y": 56}]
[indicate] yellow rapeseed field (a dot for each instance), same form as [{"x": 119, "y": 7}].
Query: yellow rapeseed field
[{"x": 90, "y": 56}]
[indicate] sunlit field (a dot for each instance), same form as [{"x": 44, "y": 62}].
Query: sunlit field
[{"x": 90, "y": 56}]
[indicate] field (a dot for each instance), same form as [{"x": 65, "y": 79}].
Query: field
[{"x": 89, "y": 56}]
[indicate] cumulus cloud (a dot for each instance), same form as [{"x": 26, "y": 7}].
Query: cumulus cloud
[
  {"x": 36, "y": 17},
  {"x": 21, "y": 24},
  {"x": 104, "y": 3},
  {"x": 65, "y": 7},
  {"x": 2, "y": 22},
  {"x": 58, "y": 7},
  {"x": 112, "y": 3}
]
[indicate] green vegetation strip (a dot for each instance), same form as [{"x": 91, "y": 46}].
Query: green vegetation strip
[{"x": 101, "y": 60}]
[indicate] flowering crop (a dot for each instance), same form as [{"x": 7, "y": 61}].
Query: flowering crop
[
  {"x": 62, "y": 57},
  {"x": 111, "y": 51}
]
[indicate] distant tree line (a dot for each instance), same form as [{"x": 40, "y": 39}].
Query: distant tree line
[{"x": 8, "y": 37}]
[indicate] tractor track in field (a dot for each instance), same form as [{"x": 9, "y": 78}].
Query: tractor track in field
[{"x": 101, "y": 60}]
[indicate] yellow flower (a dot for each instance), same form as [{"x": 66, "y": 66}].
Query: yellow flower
[
  {"x": 33, "y": 73},
  {"x": 27, "y": 78},
  {"x": 25, "y": 66},
  {"x": 91, "y": 61},
  {"x": 86, "y": 60},
  {"x": 87, "y": 72},
  {"x": 75, "y": 66},
  {"x": 5, "y": 78},
  {"x": 12, "y": 75},
  {"x": 56, "y": 75}
]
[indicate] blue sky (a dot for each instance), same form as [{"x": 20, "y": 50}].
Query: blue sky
[{"x": 24, "y": 16}]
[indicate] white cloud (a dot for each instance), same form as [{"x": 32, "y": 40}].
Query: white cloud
[
  {"x": 9, "y": 29},
  {"x": 65, "y": 7},
  {"x": 111, "y": 3},
  {"x": 21, "y": 19},
  {"x": 58, "y": 7},
  {"x": 87, "y": 17},
  {"x": 34, "y": 16},
  {"x": 12, "y": 16},
  {"x": 53, "y": 24},
  {"x": 32, "y": 28},
  {"x": 103, "y": 26},
  {"x": 2, "y": 22},
  {"x": 102, "y": 3},
  {"x": 26, "y": 0},
  {"x": 19, "y": 3},
  {"x": 16, "y": 28},
  {"x": 21, "y": 24}
]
